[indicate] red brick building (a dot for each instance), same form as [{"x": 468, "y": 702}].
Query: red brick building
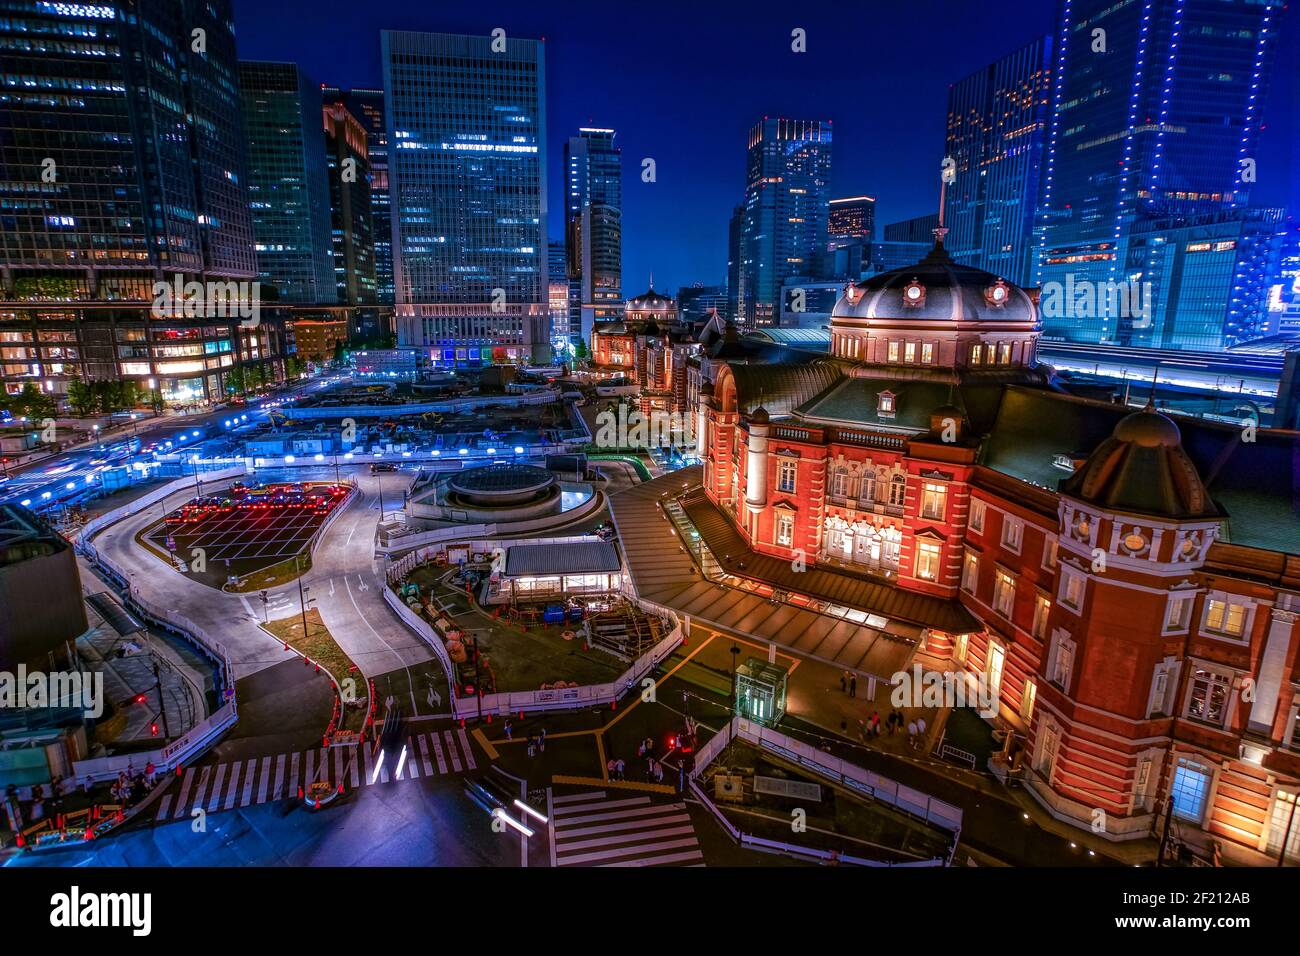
[{"x": 1132, "y": 582}]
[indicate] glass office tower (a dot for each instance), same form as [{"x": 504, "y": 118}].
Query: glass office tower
[
  {"x": 593, "y": 233},
  {"x": 1155, "y": 106},
  {"x": 467, "y": 171},
  {"x": 351, "y": 229},
  {"x": 288, "y": 181},
  {"x": 853, "y": 217},
  {"x": 786, "y": 207},
  {"x": 997, "y": 124},
  {"x": 367, "y": 106},
  {"x": 124, "y": 163}
]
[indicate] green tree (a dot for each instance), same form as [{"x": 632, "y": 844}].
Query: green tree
[
  {"x": 35, "y": 404},
  {"x": 580, "y": 350},
  {"x": 80, "y": 396},
  {"x": 236, "y": 382},
  {"x": 294, "y": 367},
  {"x": 340, "y": 353}
]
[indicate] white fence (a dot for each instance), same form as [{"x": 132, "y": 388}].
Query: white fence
[
  {"x": 568, "y": 698},
  {"x": 914, "y": 802},
  {"x": 178, "y": 753},
  {"x": 96, "y": 525},
  {"x": 545, "y": 397}
]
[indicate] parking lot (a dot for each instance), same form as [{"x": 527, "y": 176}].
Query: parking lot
[{"x": 243, "y": 531}]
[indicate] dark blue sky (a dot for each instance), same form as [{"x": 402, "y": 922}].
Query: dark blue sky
[{"x": 683, "y": 82}]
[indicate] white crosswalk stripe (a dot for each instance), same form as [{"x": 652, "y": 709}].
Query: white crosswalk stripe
[
  {"x": 261, "y": 779},
  {"x": 618, "y": 829}
]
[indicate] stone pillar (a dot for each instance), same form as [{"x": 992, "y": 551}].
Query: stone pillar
[
  {"x": 1272, "y": 671},
  {"x": 756, "y": 463}
]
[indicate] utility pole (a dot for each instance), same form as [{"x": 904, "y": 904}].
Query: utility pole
[
  {"x": 162, "y": 704},
  {"x": 302, "y": 599}
]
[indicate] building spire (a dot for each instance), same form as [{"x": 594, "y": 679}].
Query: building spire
[{"x": 947, "y": 175}]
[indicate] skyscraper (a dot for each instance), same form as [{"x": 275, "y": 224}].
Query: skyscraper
[
  {"x": 786, "y": 203},
  {"x": 124, "y": 160},
  {"x": 351, "y": 227},
  {"x": 1155, "y": 114},
  {"x": 853, "y": 217},
  {"x": 467, "y": 170},
  {"x": 288, "y": 181},
  {"x": 593, "y": 169},
  {"x": 368, "y": 108},
  {"x": 917, "y": 229},
  {"x": 735, "y": 234},
  {"x": 997, "y": 123},
  {"x": 563, "y": 339}
]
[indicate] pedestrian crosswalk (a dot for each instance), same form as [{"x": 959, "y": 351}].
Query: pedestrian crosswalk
[
  {"x": 243, "y": 783},
  {"x": 621, "y": 829}
]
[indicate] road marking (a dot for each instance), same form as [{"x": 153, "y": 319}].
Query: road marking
[
  {"x": 278, "y": 790},
  {"x": 424, "y": 756},
  {"x": 611, "y": 804},
  {"x": 451, "y": 751},
  {"x": 234, "y": 785},
  {"x": 217, "y": 781},
  {"x": 265, "y": 781},
  {"x": 660, "y": 860},
  {"x": 623, "y": 814},
  {"x": 437, "y": 752},
  {"x": 186, "y": 782},
  {"x": 629, "y": 851},
  {"x": 164, "y": 805},
  {"x": 293, "y": 770},
  {"x": 250, "y": 776},
  {"x": 626, "y": 837},
  {"x": 338, "y": 764},
  {"x": 469, "y": 752},
  {"x": 575, "y": 797}
]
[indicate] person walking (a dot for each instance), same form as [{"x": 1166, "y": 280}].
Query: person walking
[
  {"x": 853, "y": 685},
  {"x": 532, "y": 746},
  {"x": 619, "y": 768},
  {"x": 510, "y": 730},
  {"x": 911, "y": 734},
  {"x": 611, "y": 768},
  {"x": 920, "y": 730}
]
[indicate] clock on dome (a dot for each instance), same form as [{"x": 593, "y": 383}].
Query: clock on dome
[
  {"x": 914, "y": 294},
  {"x": 997, "y": 294}
]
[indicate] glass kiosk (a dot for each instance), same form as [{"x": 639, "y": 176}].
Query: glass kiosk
[{"x": 760, "y": 691}]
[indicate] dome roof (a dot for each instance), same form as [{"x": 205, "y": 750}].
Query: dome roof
[
  {"x": 945, "y": 290},
  {"x": 759, "y": 416},
  {"x": 1142, "y": 468},
  {"x": 650, "y": 301}
]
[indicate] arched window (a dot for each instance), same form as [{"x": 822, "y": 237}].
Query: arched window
[
  {"x": 868, "y": 486},
  {"x": 840, "y": 482},
  {"x": 898, "y": 491}
]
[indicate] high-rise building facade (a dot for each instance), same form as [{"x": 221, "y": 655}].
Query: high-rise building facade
[
  {"x": 563, "y": 339},
  {"x": 917, "y": 229},
  {"x": 367, "y": 106},
  {"x": 351, "y": 228},
  {"x": 593, "y": 232},
  {"x": 124, "y": 162},
  {"x": 786, "y": 206},
  {"x": 735, "y": 232},
  {"x": 853, "y": 217},
  {"x": 997, "y": 123},
  {"x": 1155, "y": 113},
  {"x": 288, "y": 181},
  {"x": 467, "y": 171}
]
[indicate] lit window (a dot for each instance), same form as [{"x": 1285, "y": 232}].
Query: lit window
[
  {"x": 784, "y": 529},
  {"x": 1042, "y": 610},
  {"x": 977, "y": 512},
  {"x": 1190, "y": 789},
  {"x": 897, "y": 491},
  {"x": 893, "y": 351},
  {"x": 1004, "y": 593},
  {"x": 1178, "y": 615},
  {"x": 1224, "y": 617},
  {"x": 885, "y": 404},
  {"x": 970, "y": 567},
  {"x": 1072, "y": 589},
  {"x": 1049, "y": 551},
  {"x": 1208, "y": 700},
  {"x": 976, "y": 354},
  {"x": 934, "y": 498},
  {"x": 1013, "y": 530},
  {"x": 927, "y": 353},
  {"x": 927, "y": 561},
  {"x": 909, "y": 352},
  {"x": 1004, "y": 353},
  {"x": 786, "y": 474},
  {"x": 1027, "y": 701},
  {"x": 1060, "y": 661}
]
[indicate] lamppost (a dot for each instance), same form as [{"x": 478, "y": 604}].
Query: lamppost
[
  {"x": 162, "y": 704},
  {"x": 198, "y": 485},
  {"x": 380, "y": 476},
  {"x": 303, "y": 600}
]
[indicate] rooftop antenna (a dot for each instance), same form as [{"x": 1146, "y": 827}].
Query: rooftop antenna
[{"x": 948, "y": 174}]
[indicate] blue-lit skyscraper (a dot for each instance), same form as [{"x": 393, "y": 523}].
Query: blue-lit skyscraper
[
  {"x": 787, "y": 197},
  {"x": 997, "y": 124},
  {"x": 593, "y": 233},
  {"x": 1156, "y": 108},
  {"x": 288, "y": 181},
  {"x": 467, "y": 173}
]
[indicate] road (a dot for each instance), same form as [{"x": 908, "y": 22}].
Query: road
[{"x": 70, "y": 476}]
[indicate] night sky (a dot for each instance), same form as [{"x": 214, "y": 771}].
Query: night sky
[{"x": 683, "y": 82}]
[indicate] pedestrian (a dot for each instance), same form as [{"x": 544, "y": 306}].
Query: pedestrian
[
  {"x": 532, "y": 746},
  {"x": 893, "y": 720},
  {"x": 611, "y": 768},
  {"x": 640, "y": 750},
  {"x": 853, "y": 685},
  {"x": 509, "y": 729},
  {"x": 649, "y": 768},
  {"x": 87, "y": 784},
  {"x": 920, "y": 729},
  {"x": 911, "y": 733},
  {"x": 659, "y": 772},
  {"x": 619, "y": 767}
]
